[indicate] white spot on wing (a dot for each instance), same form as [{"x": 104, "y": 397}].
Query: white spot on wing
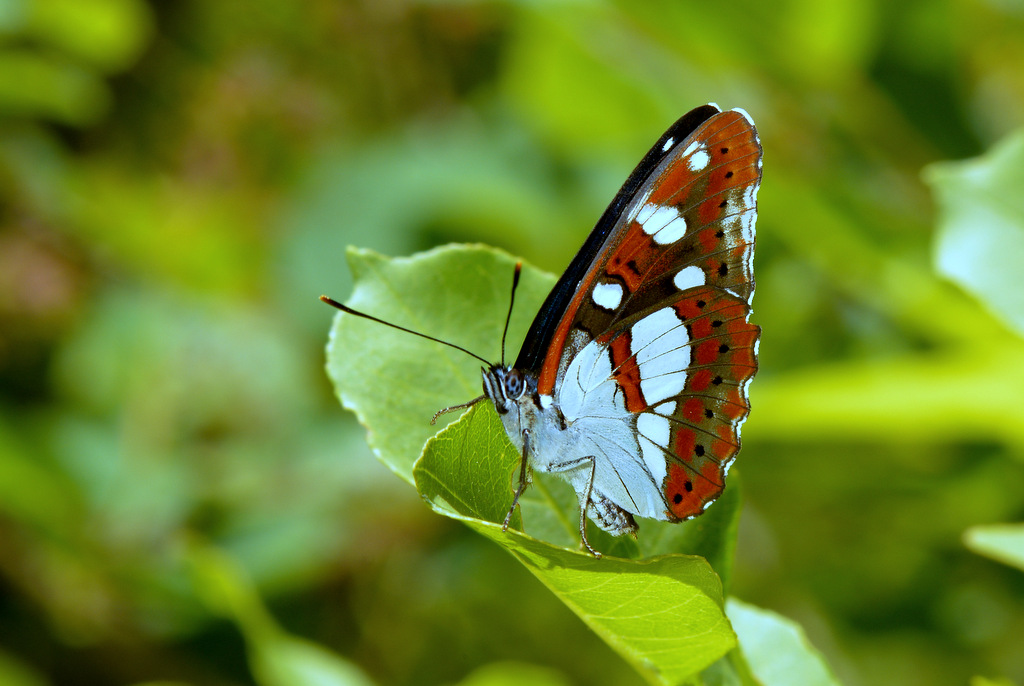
[
  {"x": 545, "y": 401},
  {"x": 672, "y": 231},
  {"x": 663, "y": 223},
  {"x": 689, "y": 277},
  {"x": 662, "y": 354},
  {"x": 655, "y": 219},
  {"x": 607, "y": 295},
  {"x": 645, "y": 214},
  {"x": 654, "y": 438},
  {"x": 668, "y": 144},
  {"x": 699, "y": 160},
  {"x": 668, "y": 409}
]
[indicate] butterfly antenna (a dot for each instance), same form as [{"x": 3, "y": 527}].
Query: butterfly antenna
[
  {"x": 511, "y": 302},
  {"x": 345, "y": 308}
]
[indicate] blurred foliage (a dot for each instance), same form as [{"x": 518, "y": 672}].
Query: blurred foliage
[
  {"x": 179, "y": 181},
  {"x": 777, "y": 650},
  {"x": 980, "y": 244},
  {"x": 1003, "y": 542}
]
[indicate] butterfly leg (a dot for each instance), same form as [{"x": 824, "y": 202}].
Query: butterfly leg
[
  {"x": 584, "y": 501},
  {"x": 524, "y": 479},
  {"x": 590, "y": 464}
]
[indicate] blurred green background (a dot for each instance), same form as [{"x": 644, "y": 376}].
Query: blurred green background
[{"x": 181, "y": 497}]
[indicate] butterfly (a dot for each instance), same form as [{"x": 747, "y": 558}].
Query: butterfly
[{"x": 632, "y": 381}]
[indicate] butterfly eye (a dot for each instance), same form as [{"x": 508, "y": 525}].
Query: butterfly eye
[{"x": 514, "y": 385}]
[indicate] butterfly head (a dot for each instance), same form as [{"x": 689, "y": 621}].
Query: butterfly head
[{"x": 504, "y": 386}]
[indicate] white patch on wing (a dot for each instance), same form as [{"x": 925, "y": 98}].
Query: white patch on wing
[
  {"x": 672, "y": 231},
  {"x": 662, "y": 222},
  {"x": 607, "y": 295},
  {"x": 545, "y": 401},
  {"x": 653, "y": 218},
  {"x": 662, "y": 352},
  {"x": 747, "y": 219},
  {"x": 654, "y": 438},
  {"x": 668, "y": 144},
  {"x": 699, "y": 160},
  {"x": 645, "y": 214},
  {"x": 750, "y": 195},
  {"x": 668, "y": 409},
  {"x": 689, "y": 277}
]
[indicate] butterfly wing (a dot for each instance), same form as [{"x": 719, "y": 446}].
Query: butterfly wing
[
  {"x": 682, "y": 368},
  {"x": 663, "y": 288}
]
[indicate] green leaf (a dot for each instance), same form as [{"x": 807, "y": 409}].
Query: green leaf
[
  {"x": 1003, "y": 542},
  {"x": 663, "y": 615},
  {"x": 776, "y": 648},
  {"x": 466, "y": 469},
  {"x": 980, "y": 244},
  {"x": 395, "y": 382}
]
